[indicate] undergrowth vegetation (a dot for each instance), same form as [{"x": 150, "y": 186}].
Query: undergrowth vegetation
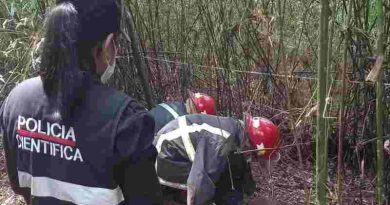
[{"x": 251, "y": 55}]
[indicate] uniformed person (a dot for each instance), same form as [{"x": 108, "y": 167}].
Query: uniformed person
[
  {"x": 199, "y": 154},
  {"x": 68, "y": 138},
  {"x": 196, "y": 103}
]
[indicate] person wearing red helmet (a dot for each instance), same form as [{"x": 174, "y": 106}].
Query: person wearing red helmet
[
  {"x": 197, "y": 103},
  {"x": 202, "y": 103},
  {"x": 263, "y": 134},
  {"x": 206, "y": 157}
]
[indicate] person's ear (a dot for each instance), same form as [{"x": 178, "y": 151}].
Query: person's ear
[{"x": 109, "y": 49}]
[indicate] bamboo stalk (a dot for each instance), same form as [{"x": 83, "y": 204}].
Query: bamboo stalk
[
  {"x": 321, "y": 166},
  {"x": 183, "y": 31},
  {"x": 282, "y": 10},
  {"x": 342, "y": 105},
  {"x": 167, "y": 25},
  {"x": 379, "y": 107},
  {"x": 140, "y": 64},
  {"x": 328, "y": 77},
  {"x": 367, "y": 14}
]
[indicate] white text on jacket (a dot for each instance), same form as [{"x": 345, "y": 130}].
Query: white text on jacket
[{"x": 47, "y": 138}]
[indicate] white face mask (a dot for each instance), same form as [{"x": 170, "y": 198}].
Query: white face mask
[{"x": 108, "y": 72}]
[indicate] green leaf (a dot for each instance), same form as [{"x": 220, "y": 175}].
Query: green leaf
[{"x": 13, "y": 10}]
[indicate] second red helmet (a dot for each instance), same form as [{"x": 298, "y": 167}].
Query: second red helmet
[
  {"x": 262, "y": 134},
  {"x": 203, "y": 103}
]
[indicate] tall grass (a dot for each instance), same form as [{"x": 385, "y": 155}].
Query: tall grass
[{"x": 20, "y": 26}]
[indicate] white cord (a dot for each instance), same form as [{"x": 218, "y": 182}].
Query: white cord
[{"x": 230, "y": 174}]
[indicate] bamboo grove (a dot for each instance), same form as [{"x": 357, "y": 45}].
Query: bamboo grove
[{"x": 319, "y": 69}]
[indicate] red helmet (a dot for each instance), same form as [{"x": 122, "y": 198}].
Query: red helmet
[
  {"x": 263, "y": 134},
  {"x": 203, "y": 103}
]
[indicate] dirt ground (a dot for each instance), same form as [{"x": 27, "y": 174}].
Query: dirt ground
[
  {"x": 288, "y": 185},
  {"x": 291, "y": 185}
]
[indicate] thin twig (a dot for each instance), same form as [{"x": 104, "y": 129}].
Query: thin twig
[{"x": 283, "y": 147}]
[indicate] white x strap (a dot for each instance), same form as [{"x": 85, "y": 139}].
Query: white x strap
[
  {"x": 186, "y": 138},
  {"x": 170, "y": 110}
]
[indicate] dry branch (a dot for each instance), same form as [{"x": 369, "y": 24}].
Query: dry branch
[{"x": 374, "y": 73}]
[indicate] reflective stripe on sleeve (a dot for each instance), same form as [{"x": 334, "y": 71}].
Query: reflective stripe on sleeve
[
  {"x": 170, "y": 110},
  {"x": 65, "y": 191}
]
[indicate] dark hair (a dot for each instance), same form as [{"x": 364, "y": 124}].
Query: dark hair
[{"x": 73, "y": 29}]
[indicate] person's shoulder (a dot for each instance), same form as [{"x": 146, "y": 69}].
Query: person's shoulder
[
  {"x": 177, "y": 103},
  {"x": 226, "y": 123},
  {"x": 134, "y": 107},
  {"x": 23, "y": 93},
  {"x": 211, "y": 118},
  {"x": 171, "y": 104},
  {"x": 109, "y": 91},
  {"x": 112, "y": 101},
  {"x": 130, "y": 105},
  {"x": 27, "y": 88},
  {"x": 29, "y": 84}
]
